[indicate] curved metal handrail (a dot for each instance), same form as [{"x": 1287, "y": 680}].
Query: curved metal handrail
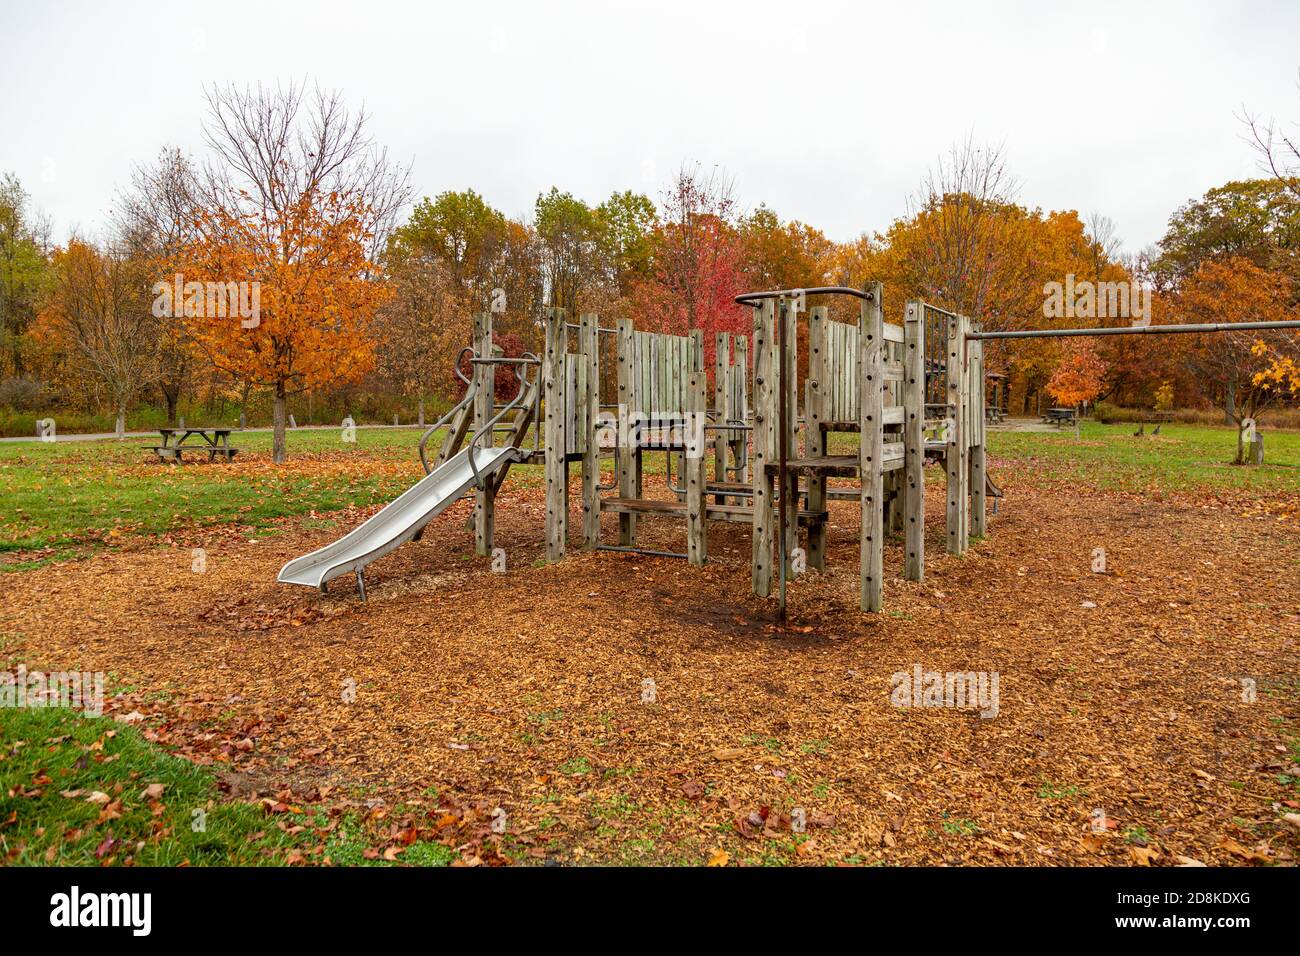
[
  {"x": 749, "y": 298},
  {"x": 469, "y": 397},
  {"x": 522, "y": 363}
]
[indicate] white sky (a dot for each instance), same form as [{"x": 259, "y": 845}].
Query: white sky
[{"x": 827, "y": 112}]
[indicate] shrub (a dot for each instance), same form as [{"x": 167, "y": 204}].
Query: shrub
[{"x": 22, "y": 394}]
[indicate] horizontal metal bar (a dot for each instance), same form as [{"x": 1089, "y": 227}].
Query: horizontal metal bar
[
  {"x": 1137, "y": 330},
  {"x": 626, "y": 550},
  {"x": 522, "y": 360},
  {"x": 750, "y": 297},
  {"x": 599, "y": 328}
]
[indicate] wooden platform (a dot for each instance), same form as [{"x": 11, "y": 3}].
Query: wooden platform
[
  {"x": 840, "y": 466},
  {"x": 737, "y": 514}
]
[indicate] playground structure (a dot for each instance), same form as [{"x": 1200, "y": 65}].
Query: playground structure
[{"x": 906, "y": 393}]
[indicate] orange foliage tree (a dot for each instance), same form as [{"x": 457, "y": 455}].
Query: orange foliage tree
[
  {"x": 1080, "y": 376},
  {"x": 309, "y": 323},
  {"x": 1248, "y": 370},
  {"x": 298, "y": 205}
]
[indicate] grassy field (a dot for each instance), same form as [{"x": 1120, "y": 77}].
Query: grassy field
[
  {"x": 63, "y": 499},
  {"x": 1180, "y": 458},
  {"x": 82, "y": 791}
]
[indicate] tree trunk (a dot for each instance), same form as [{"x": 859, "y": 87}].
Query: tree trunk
[
  {"x": 1241, "y": 445},
  {"x": 1230, "y": 402},
  {"x": 278, "y": 408},
  {"x": 120, "y": 426},
  {"x": 421, "y": 411},
  {"x": 172, "y": 399}
]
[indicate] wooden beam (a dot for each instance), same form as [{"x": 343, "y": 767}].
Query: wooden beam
[
  {"x": 554, "y": 378},
  {"x": 589, "y": 347},
  {"x": 721, "y": 406},
  {"x": 696, "y": 468},
  {"x": 484, "y": 399},
  {"x": 871, "y": 396},
  {"x": 978, "y": 514},
  {"x": 764, "y": 432},
  {"x": 628, "y": 387},
  {"x": 914, "y": 442},
  {"x": 816, "y": 411},
  {"x": 956, "y": 455}
]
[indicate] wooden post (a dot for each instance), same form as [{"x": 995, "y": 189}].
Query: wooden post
[
  {"x": 554, "y": 378},
  {"x": 790, "y": 317},
  {"x": 721, "y": 407},
  {"x": 740, "y": 408},
  {"x": 484, "y": 401},
  {"x": 628, "y": 386},
  {"x": 589, "y": 345},
  {"x": 956, "y": 456},
  {"x": 871, "y": 397},
  {"x": 979, "y": 517},
  {"x": 914, "y": 441},
  {"x": 696, "y": 472},
  {"x": 763, "y": 518},
  {"x": 815, "y": 407}
]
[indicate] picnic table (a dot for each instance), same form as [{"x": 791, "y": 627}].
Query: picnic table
[
  {"x": 1059, "y": 416},
  {"x": 214, "y": 441}
]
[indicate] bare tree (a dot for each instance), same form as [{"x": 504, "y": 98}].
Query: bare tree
[
  {"x": 282, "y": 144},
  {"x": 1279, "y": 151},
  {"x": 99, "y": 309},
  {"x": 1104, "y": 244},
  {"x": 960, "y": 200},
  {"x": 154, "y": 218}
]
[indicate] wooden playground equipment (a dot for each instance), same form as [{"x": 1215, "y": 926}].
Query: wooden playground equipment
[
  {"x": 904, "y": 393},
  {"x": 765, "y": 457}
]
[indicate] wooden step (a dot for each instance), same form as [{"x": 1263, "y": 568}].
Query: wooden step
[{"x": 737, "y": 514}]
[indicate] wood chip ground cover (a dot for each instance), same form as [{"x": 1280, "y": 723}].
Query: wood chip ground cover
[{"x": 1125, "y": 733}]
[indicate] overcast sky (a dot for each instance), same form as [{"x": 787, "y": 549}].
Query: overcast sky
[{"x": 829, "y": 113}]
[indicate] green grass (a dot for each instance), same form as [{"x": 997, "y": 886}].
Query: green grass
[
  {"x": 64, "y": 498},
  {"x": 53, "y": 760},
  {"x": 50, "y": 754},
  {"x": 1185, "y": 458}
]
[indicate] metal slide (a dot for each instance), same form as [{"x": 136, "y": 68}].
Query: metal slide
[{"x": 401, "y": 520}]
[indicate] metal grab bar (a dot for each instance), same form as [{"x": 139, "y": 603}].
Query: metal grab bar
[
  {"x": 750, "y": 297},
  {"x": 469, "y": 397},
  {"x": 527, "y": 359}
]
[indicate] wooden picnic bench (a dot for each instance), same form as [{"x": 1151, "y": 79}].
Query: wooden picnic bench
[
  {"x": 215, "y": 441},
  {"x": 1059, "y": 416}
]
